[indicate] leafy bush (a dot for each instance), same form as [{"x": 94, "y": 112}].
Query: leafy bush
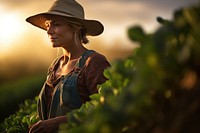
[
  {"x": 22, "y": 119},
  {"x": 154, "y": 90}
]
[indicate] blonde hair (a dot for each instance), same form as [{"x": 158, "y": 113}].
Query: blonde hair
[{"x": 80, "y": 31}]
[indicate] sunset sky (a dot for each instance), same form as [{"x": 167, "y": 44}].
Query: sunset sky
[{"x": 20, "y": 39}]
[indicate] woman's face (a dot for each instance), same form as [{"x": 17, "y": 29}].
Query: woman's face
[{"x": 60, "y": 33}]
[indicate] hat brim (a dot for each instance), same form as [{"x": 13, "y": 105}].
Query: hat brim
[{"x": 94, "y": 27}]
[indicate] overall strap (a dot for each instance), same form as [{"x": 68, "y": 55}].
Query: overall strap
[
  {"x": 54, "y": 65},
  {"x": 80, "y": 64}
]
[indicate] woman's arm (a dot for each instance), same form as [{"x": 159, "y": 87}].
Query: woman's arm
[
  {"x": 49, "y": 126},
  {"x": 95, "y": 67}
]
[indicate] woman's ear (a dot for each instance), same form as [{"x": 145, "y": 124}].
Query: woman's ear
[{"x": 77, "y": 37}]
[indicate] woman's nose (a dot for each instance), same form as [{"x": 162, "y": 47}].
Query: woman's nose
[{"x": 50, "y": 30}]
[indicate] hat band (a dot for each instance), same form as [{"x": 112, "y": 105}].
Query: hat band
[
  {"x": 61, "y": 12},
  {"x": 75, "y": 24}
]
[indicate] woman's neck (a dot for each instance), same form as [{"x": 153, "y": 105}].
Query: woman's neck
[{"x": 73, "y": 54}]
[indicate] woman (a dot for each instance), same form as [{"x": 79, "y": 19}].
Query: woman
[{"x": 73, "y": 77}]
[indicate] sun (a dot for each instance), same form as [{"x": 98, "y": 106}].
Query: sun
[{"x": 11, "y": 29}]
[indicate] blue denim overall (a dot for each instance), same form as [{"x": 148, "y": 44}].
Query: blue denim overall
[{"x": 65, "y": 96}]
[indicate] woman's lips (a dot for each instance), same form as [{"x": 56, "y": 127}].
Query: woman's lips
[{"x": 53, "y": 39}]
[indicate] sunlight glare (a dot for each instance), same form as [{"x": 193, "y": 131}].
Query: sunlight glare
[{"x": 11, "y": 28}]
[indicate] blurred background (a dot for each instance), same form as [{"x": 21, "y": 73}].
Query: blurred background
[{"x": 26, "y": 52}]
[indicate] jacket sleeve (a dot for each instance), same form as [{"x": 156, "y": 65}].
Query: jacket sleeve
[{"x": 95, "y": 66}]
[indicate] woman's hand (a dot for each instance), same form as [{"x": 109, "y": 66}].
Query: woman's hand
[{"x": 47, "y": 126}]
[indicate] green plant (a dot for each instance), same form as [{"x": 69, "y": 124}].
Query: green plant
[
  {"x": 154, "y": 90},
  {"x": 22, "y": 119}
]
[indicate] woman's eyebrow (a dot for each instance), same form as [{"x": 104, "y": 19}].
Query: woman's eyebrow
[{"x": 51, "y": 21}]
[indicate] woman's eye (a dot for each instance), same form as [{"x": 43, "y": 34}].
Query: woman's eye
[
  {"x": 47, "y": 24},
  {"x": 50, "y": 24}
]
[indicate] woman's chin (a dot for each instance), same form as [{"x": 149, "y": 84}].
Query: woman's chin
[{"x": 55, "y": 45}]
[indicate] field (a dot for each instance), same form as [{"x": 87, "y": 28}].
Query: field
[
  {"x": 156, "y": 89},
  {"x": 15, "y": 91}
]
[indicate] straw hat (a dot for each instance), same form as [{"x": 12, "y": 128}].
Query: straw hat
[{"x": 71, "y": 10}]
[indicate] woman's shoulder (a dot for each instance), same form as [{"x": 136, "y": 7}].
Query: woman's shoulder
[{"x": 97, "y": 59}]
